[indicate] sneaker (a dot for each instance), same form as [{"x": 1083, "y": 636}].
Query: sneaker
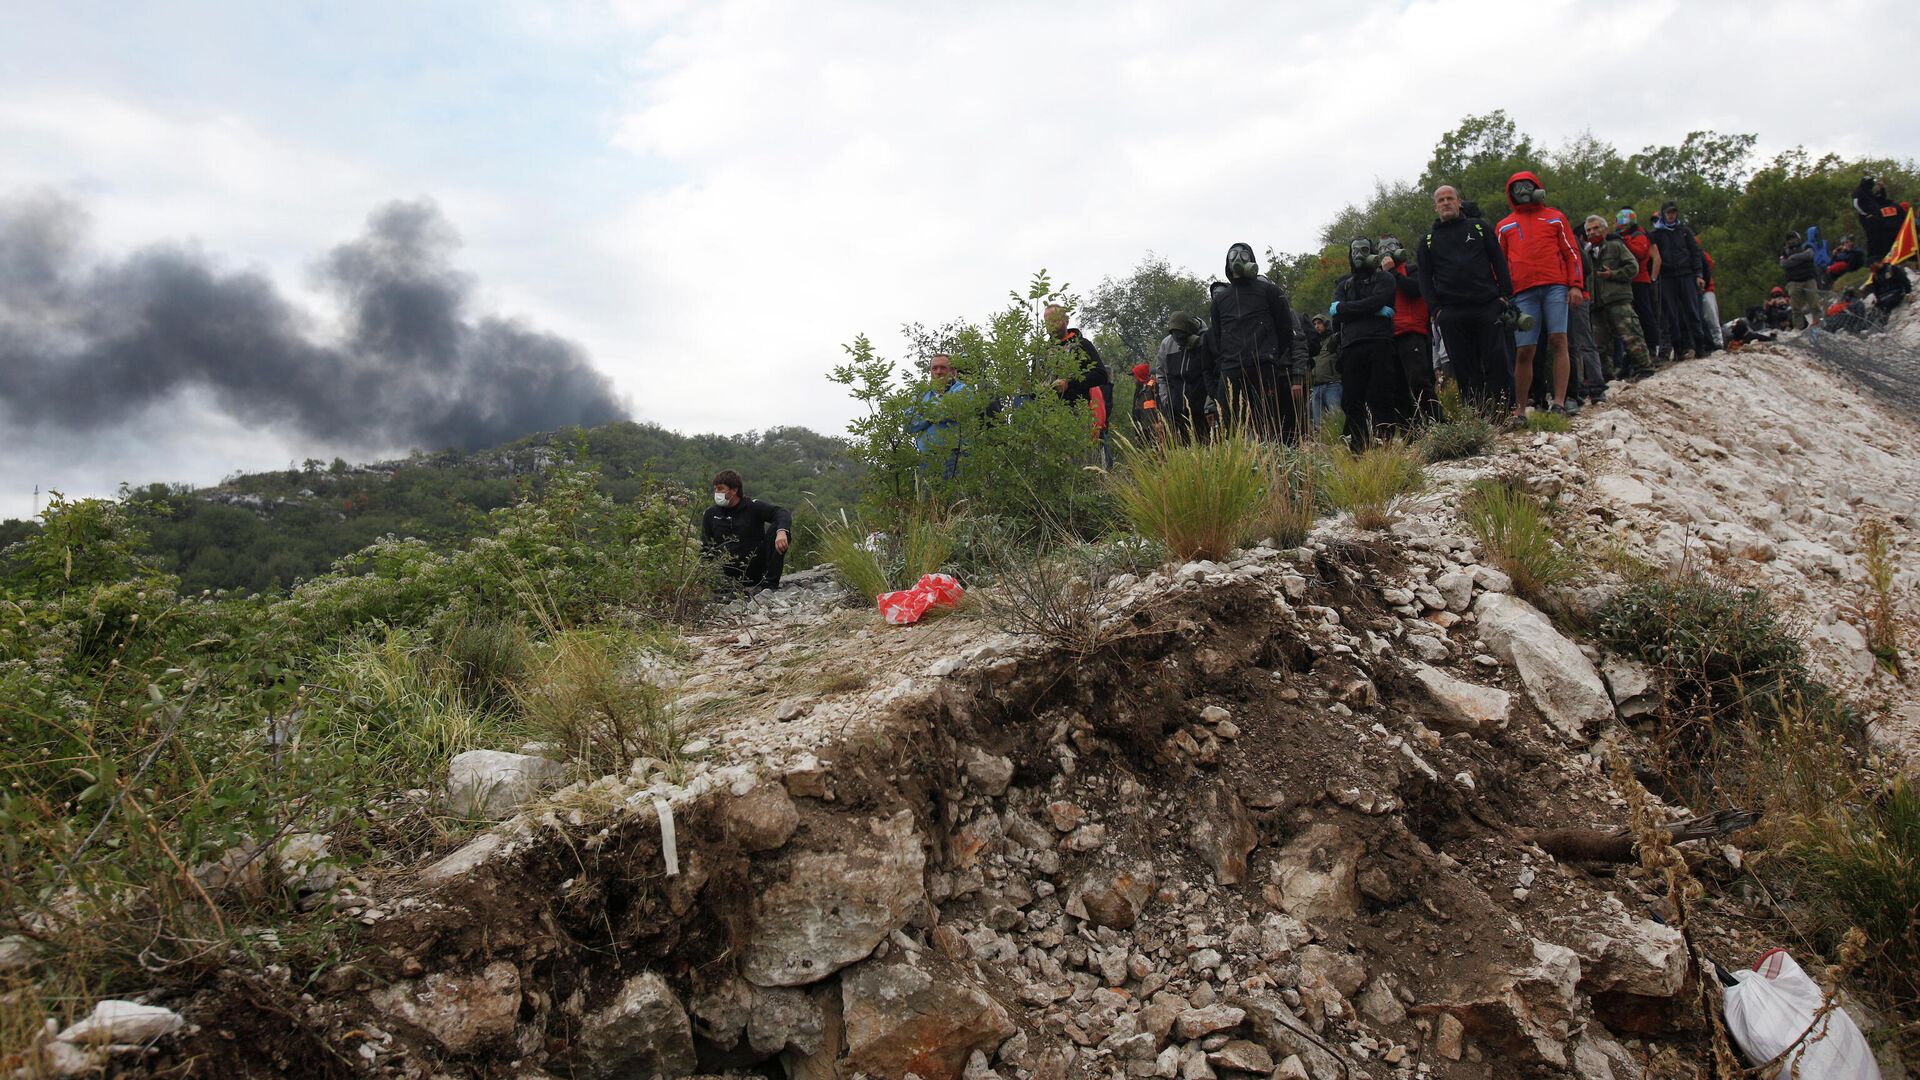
[
  {"x": 1515, "y": 422},
  {"x": 1570, "y": 409}
]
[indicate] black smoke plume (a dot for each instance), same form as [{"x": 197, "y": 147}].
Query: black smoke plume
[{"x": 88, "y": 345}]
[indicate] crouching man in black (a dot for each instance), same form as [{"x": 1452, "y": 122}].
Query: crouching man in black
[{"x": 736, "y": 529}]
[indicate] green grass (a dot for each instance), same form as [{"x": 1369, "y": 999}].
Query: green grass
[
  {"x": 580, "y": 696},
  {"x": 1198, "y": 499},
  {"x": 1292, "y": 495},
  {"x": 1468, "y": 436},
  {"x": 873, "y": 561},
  {"x": 1371, "y": 484},
  {"x": 1518, "y": 535},
  {"x": 1541, "y": 420},
  {"x": 1863, "y": 861}
]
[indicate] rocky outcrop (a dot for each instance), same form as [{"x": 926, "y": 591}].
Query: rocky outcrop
[
  {"x": 823, "y": 910},
  {"x": 1559, "y": 679}
]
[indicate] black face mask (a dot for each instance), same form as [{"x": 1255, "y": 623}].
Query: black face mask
[
  {"x": 1240, "y": 260},
  {"x": 1360, "y": 256}
]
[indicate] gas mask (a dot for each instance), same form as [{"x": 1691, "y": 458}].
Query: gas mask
[
  {"x": 1526, "y": 191},
  {"x": 1241, "y": 263},
  {"x": 1360, "y": 256}
]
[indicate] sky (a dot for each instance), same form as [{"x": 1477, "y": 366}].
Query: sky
[{"x": 709, "y": 199}]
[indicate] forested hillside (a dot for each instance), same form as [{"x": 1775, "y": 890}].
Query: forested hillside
[{"x": 258, "y": 531}]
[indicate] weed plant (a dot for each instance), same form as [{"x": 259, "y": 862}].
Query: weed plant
[
  {"x": 1199, "y": 499},
  {"x": 582, "y": 699},
  {"x": 1372, "y": 484},
  {"x": 1518, "y": 535},
  {"x": 1876, "y": 548},
  {"x": 1470, "y": 435}
]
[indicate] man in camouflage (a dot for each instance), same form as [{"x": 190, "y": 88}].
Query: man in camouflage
[{"x": 1610, "y": 289}]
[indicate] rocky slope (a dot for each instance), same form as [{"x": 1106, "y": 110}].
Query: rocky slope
[{"x": 1290, "y": 821}]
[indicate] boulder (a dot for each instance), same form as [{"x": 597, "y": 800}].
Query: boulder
[
  {"x": 1242, "y": 1054},
  {"x": 762, "y": 819},
  {"x": 1199, "y": 1023},
  {"x": 1633, "y": 956},
  {"x": 1341, "y": 970},
  {"x": 902, "y": 1018},
  {"x": 1113, "y": 897},
  {"x": 461, "y": 1012},
  {"x": 1530, "y": 1015},
  {"x": 828, "y": 909},
  {"x": 494, "y": 784},
  {"x": 1477, "y": 708},
  {"x": 1456, "y": 589},
  {"x": 1559, "y": 679},
  {"x": 642, "y": 1032},
  {"x": 1314, "y": 874},
  {"x": 1223, "y": 833}
]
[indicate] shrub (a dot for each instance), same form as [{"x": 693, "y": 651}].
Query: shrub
[
  {"x": 1061, "y": 594},
  {"x": 485, "y": 657},
  {"x": 1468, "y": 436},
  {"x": 1721, "y": 649},
  {"x": 871, "y": 561},
  {"x": 1199, "y": 499},
  {"x": 579, "y": 697},
  {"x": 1518, "y": 535},
  {"x": 1370, "y": 484},
  {"x": 1863, "y": 862}
]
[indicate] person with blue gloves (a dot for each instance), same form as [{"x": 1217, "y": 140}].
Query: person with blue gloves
[{"x": 1372, "y": 387}]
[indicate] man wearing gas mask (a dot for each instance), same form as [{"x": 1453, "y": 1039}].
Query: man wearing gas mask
[
  {"x": 1548, "y": 276},
  {"x": 1186, "y": 376},
  {"x": 1251, "y": 341},
  {"x": 1412, "y": 332},
  {"x": 1372, "y": 388},
  {"x": 1464, "y": 282}
]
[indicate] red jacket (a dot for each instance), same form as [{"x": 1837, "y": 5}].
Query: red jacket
[
  {"x": 1641, "y": 245},
  {"x": 1538, "y": 244},
  {"x": 1409, "y": 307}
]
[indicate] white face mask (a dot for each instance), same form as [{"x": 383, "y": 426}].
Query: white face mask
[{"x": 720, "y": 498}]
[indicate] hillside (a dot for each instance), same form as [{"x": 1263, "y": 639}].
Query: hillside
[{"x": 258, "y": 531}]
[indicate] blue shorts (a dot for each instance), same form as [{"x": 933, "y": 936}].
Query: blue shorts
[{"x": 1548, "y": 306}]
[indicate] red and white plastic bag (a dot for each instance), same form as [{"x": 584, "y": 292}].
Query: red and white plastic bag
[
  {"x": 1772, "y": 1007},
  {"x": 933, "y": 591}
]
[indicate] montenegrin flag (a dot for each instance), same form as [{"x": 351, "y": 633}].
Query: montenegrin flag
[{"x": 1905, "y": 243}]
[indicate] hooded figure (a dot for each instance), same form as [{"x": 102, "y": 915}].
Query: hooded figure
[
  {"x": 1879, "y": 217},
  {"x": 1187, "y": 375},
  {"x": 1818, "y": 245},
  {"x": 1251, "y": 342},
  {"x": 1372, "y": 389},
  {"x": 1803, "y": 290}
]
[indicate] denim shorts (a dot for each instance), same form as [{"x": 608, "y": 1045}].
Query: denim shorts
[{"x": 1548, "y": 306}]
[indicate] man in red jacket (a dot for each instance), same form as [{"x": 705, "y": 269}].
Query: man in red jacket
[
  {"x": 1547, "y": 276},
  {"x": 1412, "y": 331}
]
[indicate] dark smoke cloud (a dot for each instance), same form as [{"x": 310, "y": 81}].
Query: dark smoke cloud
[{"x": 90, "y": 345}]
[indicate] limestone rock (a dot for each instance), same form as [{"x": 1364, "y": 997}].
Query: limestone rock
[
  {"x": 1469, "y": 705},
  {"x": 762, "y": 819},
  {"x": 1341, "y": 970},
  {"x": 1632, "y": 686},
  {"x": 1531, "y": 1014},
  {"x": 828, "y": 909},
  {"x": 1223, "y": 832},
  {"x": 495, "y": 784},
  {"x": 642, "y": 1032},
  {"x": 1634, "y": 956},
  {"x": 461, "y": 1012},
  {"x": 782, "y": 1019},
  {"x": 1199, "y": 1023},
  {"x": 1242, "y": 1054},
  {"x": 903, "y": 1018},
  {"x": 1314, "y": 874},
  {"x": 1280, "y": 1030},
  {"x": 989, "y": 773},
  {"x": 1456, "y": 588},
  {"x": 1113, "y": 897},
  {"x": 1559, "y": 679}
]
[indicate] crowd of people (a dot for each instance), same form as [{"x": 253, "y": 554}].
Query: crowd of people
[{"x": 1531, "y": 310}]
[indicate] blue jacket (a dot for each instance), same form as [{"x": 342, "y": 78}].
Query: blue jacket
[
  {"x": 1821, "y": 258},
  {"x": 933, "y": 432}
]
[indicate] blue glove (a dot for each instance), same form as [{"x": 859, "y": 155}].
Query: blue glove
[
  {"x": 1387, "y": 311},
  {"x": 1333, "y": 308}
]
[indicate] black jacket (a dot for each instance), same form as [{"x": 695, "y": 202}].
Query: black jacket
[
  {"x": 1461, "y": 264},
  {"x": 737, "y": 531},
  {"x": 1889, "y": 286},
  {"x": 1251, "y": 325},
  {"x": 1361, "y": 296},
  {"x": 1798, "y": 263},
  {"x": 1089, "y": 370},
  {"x": 1679, "y": 248}
]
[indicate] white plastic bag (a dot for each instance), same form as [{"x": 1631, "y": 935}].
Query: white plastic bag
[{"x": 1774, "y": 1003}]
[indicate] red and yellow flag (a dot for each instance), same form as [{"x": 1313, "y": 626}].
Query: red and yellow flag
[{"x": 1906, "y": 244}]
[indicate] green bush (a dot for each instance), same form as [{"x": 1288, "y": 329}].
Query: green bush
[
  {"x": 1199, "y": 499},
  {"x": 1371, "y": 484},
  {"x": 1468, "y": 436},
  {"x": 1518, "y": 536},
  {"x": 1721, "y": 649}
]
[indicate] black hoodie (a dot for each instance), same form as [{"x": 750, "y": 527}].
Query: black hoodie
[{"x": 1251, "y": 325}]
